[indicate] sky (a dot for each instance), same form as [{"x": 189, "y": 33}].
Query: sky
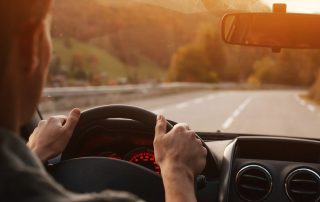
[
  {"x": 190, "y": 6},
  {"x": 300, "y": 6},
  {"x": 186, "y": 6}
]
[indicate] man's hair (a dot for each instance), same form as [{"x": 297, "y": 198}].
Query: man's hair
[{"x": 16, "y": 17}]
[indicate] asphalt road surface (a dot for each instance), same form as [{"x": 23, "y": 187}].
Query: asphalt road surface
[
  {"x": 274, "y": 112},
  {"x": 281, "y": 112}
]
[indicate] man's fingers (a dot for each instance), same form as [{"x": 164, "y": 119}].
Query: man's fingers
[
  {"x": 72, "y": 119},
  {"x": 62, "y": 119},
  {"x": 182, "y": 125},
  {"x": 42, "y": 123},
  {"x": 161, "y": 126}
]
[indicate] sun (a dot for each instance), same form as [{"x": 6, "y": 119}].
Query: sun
[{"x": 298, "y": 6}]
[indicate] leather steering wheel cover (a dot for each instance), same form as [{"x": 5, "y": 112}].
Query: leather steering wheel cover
[{"x": 126, "y": 112}]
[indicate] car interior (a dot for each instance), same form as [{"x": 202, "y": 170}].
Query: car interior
[
  {"x": 240, "y": 167},
  {"x": 112, "y": 145}
]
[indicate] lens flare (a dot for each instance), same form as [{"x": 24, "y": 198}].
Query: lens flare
[{"x": 297, "y": 6}]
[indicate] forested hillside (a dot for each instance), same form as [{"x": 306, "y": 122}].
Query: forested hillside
[
  {"x": 99, "y": 42},
  {"x": 135, "y": 34}
]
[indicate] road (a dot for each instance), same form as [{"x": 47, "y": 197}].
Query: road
[
  {"x": 274, "y": 112},
  {"x": 261, "y": 112}
]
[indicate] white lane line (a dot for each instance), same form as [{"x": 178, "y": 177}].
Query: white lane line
[
  {"x": 185, "y": 104},
  {"x": 198, "y": 100},
  {"x": 311, "y": 108},
  {"x": 211, "y": 97},
  {"x": 237, "y": 112},
  {"x": 228, "y": 122},
  {"x": 182, "y": 105}
]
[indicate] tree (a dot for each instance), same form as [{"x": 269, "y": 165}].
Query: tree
[
  {"x": 191, "y": 65},
  {"x": 290, "y": 67},
  {"x": 200, "y": 61},
  {"x": 209, "y": 41}
]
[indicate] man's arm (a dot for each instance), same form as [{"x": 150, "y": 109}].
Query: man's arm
[
  {"x": 51, "y": 136},
  {"x": 181, "y": 158},
  {"x": 179, "y": 153}
]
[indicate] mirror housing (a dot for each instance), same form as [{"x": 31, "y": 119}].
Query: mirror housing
[{"x": 275, "y": 30}]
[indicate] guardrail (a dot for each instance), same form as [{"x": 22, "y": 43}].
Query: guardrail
[
  {"x": 65, "y": 98},
  {"x": 140, "y": 88}
]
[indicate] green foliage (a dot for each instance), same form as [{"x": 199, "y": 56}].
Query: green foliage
[
  {"x": 127, "y": 41},
  {"x": 79, "y": 63},
  {"x": 82, "y": 60},
  {"x": 190, "y": 64},
  {"x": 128, "y": 29}
]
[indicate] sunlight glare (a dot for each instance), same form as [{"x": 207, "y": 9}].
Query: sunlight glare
[{"x": 298, "y": 6}]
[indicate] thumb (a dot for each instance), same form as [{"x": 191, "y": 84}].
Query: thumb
[
  {"x": 161, "y": 126},
  {"x": 72, "y": 119}
]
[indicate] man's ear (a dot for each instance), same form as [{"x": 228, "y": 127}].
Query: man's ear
[{"x": 27, "y": 45}]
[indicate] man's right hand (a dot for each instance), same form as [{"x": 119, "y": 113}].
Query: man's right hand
[
  {"x": 52, "y": 136},
  {"x": 181, "y": 157}
]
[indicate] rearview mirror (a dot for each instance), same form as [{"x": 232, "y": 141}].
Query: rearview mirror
[{"x": 275, "y": 30}]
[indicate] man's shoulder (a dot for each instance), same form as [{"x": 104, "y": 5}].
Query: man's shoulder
[{"x": 14, "y": 152}]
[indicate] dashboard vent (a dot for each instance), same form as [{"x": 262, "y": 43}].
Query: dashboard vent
[
  {"x": 253, "y": 183},
  {"x": 303, "y": 185}
]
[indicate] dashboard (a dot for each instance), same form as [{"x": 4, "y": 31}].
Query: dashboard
[
  {"x": 270, "y": 169},
  {"x": 250, "y": 168},
  {"x": 135, "y": 148}
]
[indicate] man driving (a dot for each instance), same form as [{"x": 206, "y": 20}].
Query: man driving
[{"x": 25, "y": 51}]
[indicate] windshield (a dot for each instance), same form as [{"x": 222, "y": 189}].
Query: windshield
[{"x": 167, "y": 56}]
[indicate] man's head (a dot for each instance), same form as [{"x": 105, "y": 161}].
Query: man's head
[{"x": 24, "y": 57}]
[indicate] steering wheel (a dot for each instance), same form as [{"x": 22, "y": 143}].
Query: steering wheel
[{"x": 95, "y": 174}]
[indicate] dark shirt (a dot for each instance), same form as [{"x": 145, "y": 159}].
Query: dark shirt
[{"x": 23, "y": 178}]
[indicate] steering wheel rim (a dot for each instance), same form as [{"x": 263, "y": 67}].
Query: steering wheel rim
[
  {"x": 108, "y": 112},
  {"x": 125, "y": 112}
]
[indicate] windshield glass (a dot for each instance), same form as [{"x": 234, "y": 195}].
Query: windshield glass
[{"x": 167, "y": 56}]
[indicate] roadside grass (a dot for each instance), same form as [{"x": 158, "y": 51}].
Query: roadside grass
[{"x": 108, "y": 64}]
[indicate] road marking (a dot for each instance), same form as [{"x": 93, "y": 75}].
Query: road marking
[
  {"x": 228, "y": 122},
  {"x": 182, "y": 105},
  {"x": 198, "y": 101},
  {"x": 185, "y": 104},
  {"x": 311, "y": 108},
  {"x": 236, "y": 112},
  {"x": 211, "y": 97}
]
